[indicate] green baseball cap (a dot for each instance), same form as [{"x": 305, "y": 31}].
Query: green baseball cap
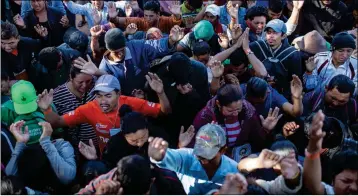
[
  {"x": 23, "y": 95},
  {"x": 203, "y": 30}
]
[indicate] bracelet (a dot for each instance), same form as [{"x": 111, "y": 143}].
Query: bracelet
[
  {"x": 300, "y": 97},
  {"x": 312, "y": 156},
  {"x": 296, "y": 175},
  {"x": 49, "y": 110}
]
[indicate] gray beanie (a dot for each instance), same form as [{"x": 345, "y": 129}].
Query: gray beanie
[{"x": 114, "y": 39}]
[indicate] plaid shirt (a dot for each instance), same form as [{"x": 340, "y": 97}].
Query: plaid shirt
[{"x": 90, "y": 189}]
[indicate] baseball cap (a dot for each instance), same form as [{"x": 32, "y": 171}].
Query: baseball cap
[
  {"x": 209, "y": 140},
  {"x": 203, "y": 30},
  {"x": 213, "y": 9},
  {"x": 107, "y": 83},
  {"x": 23, "y": 95},
  {"x": 277, "y": 25}
]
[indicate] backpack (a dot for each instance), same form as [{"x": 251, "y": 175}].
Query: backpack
[
  {"x": 31, "y": 121},
  {"x": 273, "y": 61}
]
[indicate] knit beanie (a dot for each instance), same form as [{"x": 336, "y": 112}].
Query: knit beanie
[
  {"x": 203, "y": 30},
  {"x": 343, "y": 40},
  {"x": 114, "y": 39}
]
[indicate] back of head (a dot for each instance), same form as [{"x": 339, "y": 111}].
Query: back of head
[
  {"x": 343, "y": 84},
  {"x": 152, "y": 5},
  {"x": 50, "y": 57},
  {"x": 196, "y": 4},
  {"x": 201, "y": 48},
  {"x": 179, "y": 66},
  {"x": 256, "y": 87},
  {"x": 283, "y": 146},
  {"x": 131, "y": 121},
  {"x": 345, "y": 160},
  {"x": 255, "y": 11},
  {"x": 276, "y": 6},
  {"x": 134, "y": 174},
  {"x": 229, "y": 93},
  {"x": 238, "y": 57},
  {"x": 8, "y": 31}
]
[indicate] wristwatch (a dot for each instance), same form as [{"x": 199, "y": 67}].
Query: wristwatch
[{"x": 248, "y": 52}]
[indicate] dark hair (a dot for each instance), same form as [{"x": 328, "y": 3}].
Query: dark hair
[
  {"x": 343, "y": 84},
  {"x": 11, "y": 185},
  {"x": 276, "y": 6},
  {"x": 131, "y": 121},
  {"x": 282, "y": 144},
  {"x": 50, "y": 57},
  {"x": 201, "y": 48},
  {"x": 256, "y": 87},
  {"x": 152, "y": 5},
  {"x": 4, "y": 76},
  {"x": 196, "y": 4},
  {"x": 255, "y": 11},
  {"x": 74, "y": 71},
  {"x": 134, "y": 174},
  {"x": 229, "y": 93},
  {"x": 238, "y": 57},
  {"x": 344, "y": 160},
  {"x": 8, "y": 30}
]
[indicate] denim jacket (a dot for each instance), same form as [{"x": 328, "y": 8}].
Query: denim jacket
[
  {"x": 225, "y": 17},
  {"x": 60, "y": 154}
]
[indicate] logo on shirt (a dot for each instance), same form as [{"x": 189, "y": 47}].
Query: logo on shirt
[
  {"x": 71, "y": 113},
  {"x": 100, "y": 126},
  {"x": 151, "y": 104},
  {"x": 206, "y": 138}
]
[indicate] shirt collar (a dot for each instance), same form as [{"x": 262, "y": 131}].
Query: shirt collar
[
  {"x": 330, "y": 58},
  {"x": 221, "y": 171}
]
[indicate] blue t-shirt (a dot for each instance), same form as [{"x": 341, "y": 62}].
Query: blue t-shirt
[{"x": 273, "y": 99}]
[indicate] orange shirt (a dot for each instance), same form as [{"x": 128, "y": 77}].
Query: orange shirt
[
  {"x": 165, "y": 24},
  {"x": 92, "y": 114}
]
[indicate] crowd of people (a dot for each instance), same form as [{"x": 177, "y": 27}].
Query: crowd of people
[{"x": 179, "y": 97}]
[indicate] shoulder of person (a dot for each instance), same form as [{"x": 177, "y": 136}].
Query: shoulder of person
[{"x": 353, "y": 60}]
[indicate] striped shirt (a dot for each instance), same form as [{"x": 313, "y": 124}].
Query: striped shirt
[
  {"x": 65, "y": 102},
  {"x": 233, "y": 128}
]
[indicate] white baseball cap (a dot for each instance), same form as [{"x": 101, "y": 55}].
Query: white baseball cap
[{"x": 213, "y": 9}]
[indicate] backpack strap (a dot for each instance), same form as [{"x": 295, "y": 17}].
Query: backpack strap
[
  {"x": 353, "y": 74},
  {"x": 317, "y": 102},
  {"x": 322, "y": 66},
  {"x": 258, "y": 43},
  {"x": 283, "y": 55}
]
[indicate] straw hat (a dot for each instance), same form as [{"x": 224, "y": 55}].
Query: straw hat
[{"x": 312, "y": 43}]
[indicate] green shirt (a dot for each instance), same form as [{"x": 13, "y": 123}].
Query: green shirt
[{"x": 185, "y": 10}]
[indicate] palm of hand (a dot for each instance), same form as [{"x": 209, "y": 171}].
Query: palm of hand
[
  {"x": 22, "y": 137},
  {"x": 156, "y": 85},
  {"x": 88, "y": 152},
  {"x": 217, "y": 71},
  {"x": 269, "y": 123},
  {"x": 175, "y": 9},
  {"x": 44, "y": 102}
]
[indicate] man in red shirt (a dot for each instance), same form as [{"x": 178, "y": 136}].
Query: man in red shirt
[{"x": 102, "y": 113}]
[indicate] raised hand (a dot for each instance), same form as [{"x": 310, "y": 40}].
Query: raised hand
[
  {"x": 289, "y": 128},
  {"x": 46, "y": 129},
  {"x": 251, "y": 3},
  {"x": 87, "y": 67},
  {"x": 112, "y": 10},
  {"x": 310, "y": 65},
  {"x": 42, "y": 31},
  {"x": 138, "y": 93},
  {"x": 186, "y": 137},
  {"x": 45, "y": 99},
  {"x": 88, "y": 151},
  {"x": 297, "y": 4},
  {"x": 155, "y": 83},
  {"x": 296, "y": 87},
  {"x": 19, "y": 21},
  {"x": 134, "y": 5},
  {"x": 272, "y": 118},
  {"x": 245, "y": 40},
  {"x": 234, "y": 184},
  {"x": 176, "y": 34},
  {"x": 268, "y": 159},
  {"x": 157, "y": 148},
  {"x": 175, "y": 8},
  {"x": 109, "y": 187},
  {"x": 233, "y": 9},
  {"x": 236, "y": 31},
  {"x": 131, "y": 29},
  {"x": 316, "y": 134},
  {"x": 96, "y": 31},
  {"x": 97, "y": 17},
  {"x": 16, "y": 130},
  {"x": 64, "y": 21},
  {"x": 289, "y": 166},
  {"x": 217, "y": 69},
  {"x": 231, "y": 79},
  {"x": 184, "y": 89},
  {"x": 128, "y": 9},
  {"x": 223, "y": 40}
]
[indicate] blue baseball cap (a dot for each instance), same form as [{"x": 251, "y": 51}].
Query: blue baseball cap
[
  {"x": 277, "y": 25},
  {"x": 107, "y": 83}
]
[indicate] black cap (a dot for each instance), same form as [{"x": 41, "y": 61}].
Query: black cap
[
  {"x": 343, "y": 40},
  {"x": 179, "y": 68},
  {"x": 114, "y": 39}
]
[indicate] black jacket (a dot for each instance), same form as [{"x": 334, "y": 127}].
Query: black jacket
[
  {"x": 326, "y": 20},
  {"x": 54, "y": 28}
]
